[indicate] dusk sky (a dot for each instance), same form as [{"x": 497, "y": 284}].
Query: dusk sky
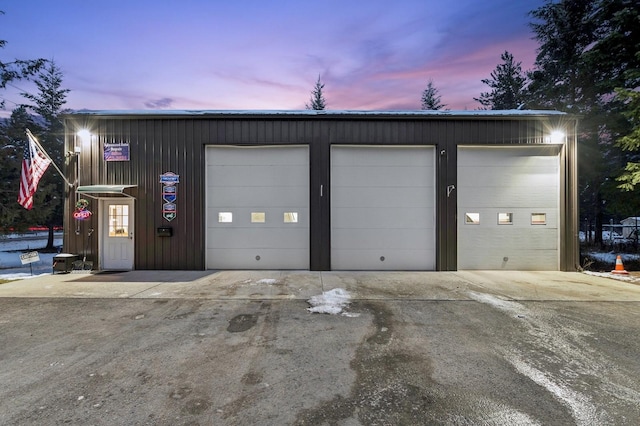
[{"x": 266, "y": 55}]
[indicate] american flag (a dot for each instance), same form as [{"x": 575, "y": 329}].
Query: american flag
[{"x": 34, "y": 164}]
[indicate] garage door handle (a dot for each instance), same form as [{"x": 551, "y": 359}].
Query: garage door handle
[{"x": 321, "y": 186}]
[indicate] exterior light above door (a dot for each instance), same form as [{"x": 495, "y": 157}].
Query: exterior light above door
[{"x": 85, "y": 137}]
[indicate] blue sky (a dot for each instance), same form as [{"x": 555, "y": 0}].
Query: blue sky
[{"x": 246, "y": 54}]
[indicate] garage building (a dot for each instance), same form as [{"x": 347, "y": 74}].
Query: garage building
[{"x": 322, "y": 190}]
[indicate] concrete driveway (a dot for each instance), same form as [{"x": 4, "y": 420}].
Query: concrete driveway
[{"x": 241, "y": 348}]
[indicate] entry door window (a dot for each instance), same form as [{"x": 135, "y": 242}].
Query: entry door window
[{"x": 118, "y": 220}]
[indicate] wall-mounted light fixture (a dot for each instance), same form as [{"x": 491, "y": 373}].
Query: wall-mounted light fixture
[
  {"x": 85, "y": 140},
  {"x": 85, "y": 137},
  {"x": 556, "y": 137}
]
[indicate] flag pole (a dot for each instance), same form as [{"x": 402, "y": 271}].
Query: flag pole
[{"x": 35, "y": 140}]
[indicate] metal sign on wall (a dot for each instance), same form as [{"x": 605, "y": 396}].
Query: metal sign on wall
[
  {"x": 169, "y": 194},
  {"x": 116, "y": 151}
]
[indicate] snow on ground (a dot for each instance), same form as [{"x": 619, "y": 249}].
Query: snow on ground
[
  {"x": 268, "y": 281},
  {"x": 13, "y": 245},
  {"x": 502, "y": 304},
  {"x": 610, "y": 257},
  {"x": 330, "y": 302}
]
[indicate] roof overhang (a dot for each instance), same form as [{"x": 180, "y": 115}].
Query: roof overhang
[
  {"x": 97, "y": 191},
  {"x": 511, "y": 114}
]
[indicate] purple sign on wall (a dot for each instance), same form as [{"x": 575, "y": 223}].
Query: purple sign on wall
[{"x": 116, "y": 152}]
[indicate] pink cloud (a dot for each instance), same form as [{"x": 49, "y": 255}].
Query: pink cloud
[{"x": 458, "y": 78}]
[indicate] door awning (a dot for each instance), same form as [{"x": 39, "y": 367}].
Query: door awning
[{"x": 95, "y": 191}]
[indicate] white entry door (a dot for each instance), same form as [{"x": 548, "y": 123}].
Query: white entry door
[{"x": 117, "y": 234}]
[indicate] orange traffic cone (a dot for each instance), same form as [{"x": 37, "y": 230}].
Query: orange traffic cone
[{"x": 619, "y": 267}]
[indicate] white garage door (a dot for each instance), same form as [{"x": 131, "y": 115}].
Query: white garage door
[
  {"x": 382, "y": 208},
  {"x": 257, "y": 207},
  {"x": 508, "y": 204}
]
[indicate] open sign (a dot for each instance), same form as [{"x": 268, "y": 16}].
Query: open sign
[{"x": 81, "y": 214}]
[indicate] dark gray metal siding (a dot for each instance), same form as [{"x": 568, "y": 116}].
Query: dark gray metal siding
[
  {"x": 156, "y": 146},
  {"x": 175, "y": 142}
]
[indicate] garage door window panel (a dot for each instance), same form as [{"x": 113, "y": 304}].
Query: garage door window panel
[
  {"x": 258, "y": 217},
  {"x": 538, "y": 218},
  {"x": 225, "y": 217},
  {"x": 290, "y": 217},
  {"x": 472, "y": 218},
  {"x": 505, "y": 218}
]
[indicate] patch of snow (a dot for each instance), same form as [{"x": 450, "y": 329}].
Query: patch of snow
[
  {"x": 628, "y": 278},
  {"x": 581, "y": 407},
  {"x": 24, "y": 275},
  {"x": 610, "y": 257},
  {"x": 268, "y": 281},
  {"x": 502, "y": 304},
  {"x": 330, "y": 302},
  {"x": 13, "y": 245}
]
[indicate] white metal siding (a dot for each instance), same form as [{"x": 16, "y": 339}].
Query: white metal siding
[
  {"x": 271, "y": 180},
  {"x": 382, "y": 208},
  {"x": 517, "y": 180}
]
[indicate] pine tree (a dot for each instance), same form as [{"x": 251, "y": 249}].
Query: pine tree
[
  {"x": 631, "y": 141},
  {"x": 615, "y": 56},
  {"x": 317, "y": 98},
  {"x": 507, "y": 85},
  {"x": 47, "y": 103},
  {"x": 431, "y": 98},
  {"x": 586, "y": 49},
  {"x": 16, "y": 69},
  {"x": 50, "y": 98},
  {"x": 616, "y": 63},
  {"x": 561, "y": 78}
]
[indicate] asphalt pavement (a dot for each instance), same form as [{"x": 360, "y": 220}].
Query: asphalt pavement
[{"x": 242, "y": 348}]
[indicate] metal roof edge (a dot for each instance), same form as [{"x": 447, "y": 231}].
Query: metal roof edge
[{"x": 434, "y": 114}]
